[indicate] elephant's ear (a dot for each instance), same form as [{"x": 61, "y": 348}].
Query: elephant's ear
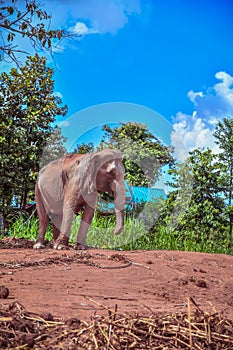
[
  {"x": 92, "y": 169},
  {"x": 91, "y": 164}
]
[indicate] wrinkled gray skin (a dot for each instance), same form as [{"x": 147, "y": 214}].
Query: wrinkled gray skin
[{"x": 71, "y": 184}]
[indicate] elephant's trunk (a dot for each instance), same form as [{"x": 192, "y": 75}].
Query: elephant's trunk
[{"x": 119, "y": 202}]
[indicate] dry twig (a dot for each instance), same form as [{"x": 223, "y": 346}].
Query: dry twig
[{"x": 20, "y": 329}]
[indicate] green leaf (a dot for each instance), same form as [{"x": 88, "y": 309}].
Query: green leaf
[{"x": 26, "y": 127}]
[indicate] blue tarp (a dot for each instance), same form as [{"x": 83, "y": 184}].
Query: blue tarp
[
  {"x": 134, "y": 195},
  {"x": 146, "y": 194}
]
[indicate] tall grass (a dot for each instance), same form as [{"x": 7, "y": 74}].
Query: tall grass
[
  {"x": 100, "y": 234},
  {"x": 135, "y": 236},
  {"x": 28, "y": 229}
]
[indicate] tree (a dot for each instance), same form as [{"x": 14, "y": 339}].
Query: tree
[
  {"x": 144, "y": 155},
  {"x": 28, "y": 21},
  {"x": 196, "y": 205},
  {"x": 54, "y": 148},
  {"x": 206, "y": 180},
  {"x": 84, "y": 148},
  {"x": 28, "y": 108},
  {"x": 224, "y": 139}
]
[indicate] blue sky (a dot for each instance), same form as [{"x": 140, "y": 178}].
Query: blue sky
[{"x": 174, "y": 57}]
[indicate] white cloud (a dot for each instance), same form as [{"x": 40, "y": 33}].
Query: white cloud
[
  {"x": 225, "y": 87},
  {"x": 192, "y": 95},
  {"x": 210, "y": 106},
  {"x": 91, "y": 16},
  {"x": 191, "y": 131},
  {"x": 217, "y": 101},
  {"x": 82, "y": 29},
  {"x": 84, "y": 17}
]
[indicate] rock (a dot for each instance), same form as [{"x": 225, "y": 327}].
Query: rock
[{"x": 4, "y": 292}]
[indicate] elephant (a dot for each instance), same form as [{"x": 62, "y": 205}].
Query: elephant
[{"x": 71, "y": 184}]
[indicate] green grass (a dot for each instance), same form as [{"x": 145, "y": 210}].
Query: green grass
[
  {"x": 100, "y": 233},
  {"x": 135, "y": 236},
  {"x": 28, "y": 229}
]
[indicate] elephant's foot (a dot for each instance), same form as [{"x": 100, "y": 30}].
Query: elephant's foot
[
  {"x": 61, "y": 243},
  {"x": 80, "y": 246},
  {"x": 38, "y": 245}
]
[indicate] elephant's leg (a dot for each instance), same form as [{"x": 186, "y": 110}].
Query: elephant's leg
[
  {"x": 56, "y": 232},
  {"x": 43, "y": 220},
  {"x": 43, "y": 223},
  {"x": 57, "y": 221},
  {"x": 63, "y": 238},
  {"x": 84, "y": 225}
]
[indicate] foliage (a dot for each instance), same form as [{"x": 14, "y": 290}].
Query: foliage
[
  {"x": 196, "y": 206},
  {"x": 197, "y": 216},
  {"x": 134, "y": 237},
  {"x": 27, "y": 21},
  {"x": 54, "y": 148},
  {"x": 143, "y": 153},
  {"x": 186, "y": 240},
  {"x": 24, "y": 228},
  {"x": 206, "y": 177},
  {"x": 224, "y": 139},
  {"x": 28, "y": 108},
  {"x": 84, "y": 148}
]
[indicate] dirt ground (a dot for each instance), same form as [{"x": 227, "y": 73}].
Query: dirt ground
[{"x": 82, "y": 284}]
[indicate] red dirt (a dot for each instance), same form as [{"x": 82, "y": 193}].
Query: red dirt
[{"x": 81, "y": 284}]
